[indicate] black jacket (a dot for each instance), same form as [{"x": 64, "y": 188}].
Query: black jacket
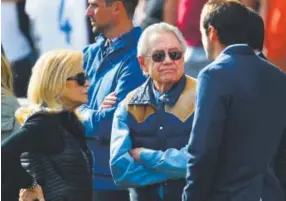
[{"x": 53, "y": 151}]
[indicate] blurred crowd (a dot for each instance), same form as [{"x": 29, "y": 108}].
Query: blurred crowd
[{"x": 31, "y": 28}]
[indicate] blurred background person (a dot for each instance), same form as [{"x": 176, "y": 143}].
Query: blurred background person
[
  {"x": 185, "y": 14},
  {"x": 152, "y": 11},
  {"x": 256, "y": 33},
  {"x": 254, "y": 4},
  {"x": 274, "y": 14},
  {"x": 59, "y": 24},
  {"x": 139, "y": 13},
  {"x": 51, "y": 142},
  {"x": 17, "y": 43},
  {"x": 9, "y": 103}
]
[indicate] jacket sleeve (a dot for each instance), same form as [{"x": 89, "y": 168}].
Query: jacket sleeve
[
  {"x": 172, "y": 162},
  {"x": 125, "y": 170},
  {"x": 280, "y": 160},
  {"x": 98, "y": 122},
  {"x": 34, "y": 137},
  {"x": 11, "y": 149},
  {"x": 210, "y": 115}
]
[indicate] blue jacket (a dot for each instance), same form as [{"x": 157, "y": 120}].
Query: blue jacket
[
  {"x": 139, "y": 122},
  {"x": 240, "y": 116},
  {"x": 114, "y": 69}
]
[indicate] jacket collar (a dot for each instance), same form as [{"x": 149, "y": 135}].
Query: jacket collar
[
  {"x": 238, "y": 49},
  {"x": 128, "y": 39},
  {"x": 261, "y": 55},
  {"x": 145, "y": 96}
]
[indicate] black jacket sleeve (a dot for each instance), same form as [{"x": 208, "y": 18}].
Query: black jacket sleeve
[{"x": 37, "y": 135}]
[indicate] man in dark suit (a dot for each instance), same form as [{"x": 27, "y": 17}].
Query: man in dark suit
[
  {"x": 273, "y": 181},
  {"x": 240, "y": 112}
]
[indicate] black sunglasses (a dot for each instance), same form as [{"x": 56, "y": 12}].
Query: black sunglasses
[
  {"x": 79, "y": 78},
  {"x": 159, "y": 56}
]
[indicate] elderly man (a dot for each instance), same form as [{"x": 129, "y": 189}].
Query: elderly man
[{"x": 152, "y": 125}]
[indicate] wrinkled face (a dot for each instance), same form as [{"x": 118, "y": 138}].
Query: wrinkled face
[
  {"x": 208, "y": 46},
  {"x": 100, "y": 15},
  {"x": 76, "y": 91},
  {"x": 164, "y": 61}
]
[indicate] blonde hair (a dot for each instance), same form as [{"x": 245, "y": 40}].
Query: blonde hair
[
  {"x": 48, "y": 80},
  {"x": 6, "y": 77}
]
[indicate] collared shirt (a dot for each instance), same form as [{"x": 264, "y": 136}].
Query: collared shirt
[
  {"x": 108, "y": 46},
  {"x": 157, "y": 94}
]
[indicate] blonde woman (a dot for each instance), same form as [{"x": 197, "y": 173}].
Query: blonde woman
[
  {"x": 9, "y": 103},
  {"x": 51, "y": 144}
]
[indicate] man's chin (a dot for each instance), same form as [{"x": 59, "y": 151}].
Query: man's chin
[
  {"x": 96, "y": 31},
  {"x": 169, "y": 81}
]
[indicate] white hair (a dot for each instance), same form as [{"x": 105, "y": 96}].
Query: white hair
[{"x": 162, "y": 27}]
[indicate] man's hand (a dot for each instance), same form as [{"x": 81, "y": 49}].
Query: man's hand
[
  {"x": 108, "y": 101},
  {"x": 135, "y": 153},
  {"x": 32, "y": 194}
]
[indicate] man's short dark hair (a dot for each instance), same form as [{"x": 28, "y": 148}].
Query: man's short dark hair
[
  {"x": 129, "y": 5},
  {"x": 256, "y": 30},
  {"x": 229, "y": 18}
]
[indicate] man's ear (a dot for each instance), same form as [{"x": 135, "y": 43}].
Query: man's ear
[
  {"x": 142, "y": 64},
  {"x": 213, "y": 36},
  {"x": 117, "y": 7}
]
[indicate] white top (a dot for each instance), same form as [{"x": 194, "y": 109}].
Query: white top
[
  {"x": 49, "y": 18},
  {"x": 15, "y": 44}
]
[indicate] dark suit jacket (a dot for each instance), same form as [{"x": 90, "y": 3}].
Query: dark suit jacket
[
  {"x": 240, "y": 116},
  {"x": 279, "y": 162}
]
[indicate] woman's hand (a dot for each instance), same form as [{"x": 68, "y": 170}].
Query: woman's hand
[
  {"x": 109, "y": 101},
  {"x": 135, "y": 153},
  {"x": 32, "y": 194}
]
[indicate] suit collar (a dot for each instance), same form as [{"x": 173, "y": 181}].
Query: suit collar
[{"x": 238, "y": 49}]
